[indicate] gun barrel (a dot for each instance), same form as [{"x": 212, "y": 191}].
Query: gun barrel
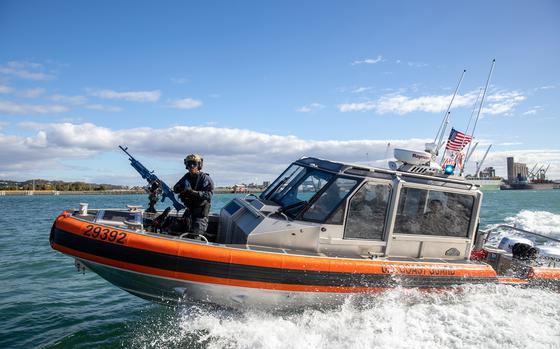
[{"x": 125, "y": 151}]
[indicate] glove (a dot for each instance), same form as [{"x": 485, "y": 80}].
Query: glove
[{"x": 189, "y": 193}]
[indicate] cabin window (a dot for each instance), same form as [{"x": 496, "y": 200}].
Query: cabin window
[
  {"x": 367, "y": 211},
  {"x": 299, "y": 192},
  {"x": 329, "y": 200},
  {"x": 429, "y": 212}
]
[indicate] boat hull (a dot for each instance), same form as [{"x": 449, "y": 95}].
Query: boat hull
[
  {"x": 171, "y": 291},
  {"x": 530, "y": 186},
  {"x": 168, "y": 270}
]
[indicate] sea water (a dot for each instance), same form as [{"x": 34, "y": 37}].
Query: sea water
[{"x": 45, "y": 302}]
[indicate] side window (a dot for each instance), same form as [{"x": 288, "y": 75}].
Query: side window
[
  {"x": 427, "y": 212},
  {"x": 329, "y": 200},
  {"x": 367, "y": 211}
]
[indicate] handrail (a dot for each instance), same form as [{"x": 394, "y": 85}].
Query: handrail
[
  {"x": 520, "y": 230},
  {"x": 202, "y": 237}
]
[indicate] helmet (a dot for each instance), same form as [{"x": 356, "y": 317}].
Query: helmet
[{"x": 194, "y": 159}]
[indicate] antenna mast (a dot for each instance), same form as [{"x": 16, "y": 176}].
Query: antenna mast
[
  {"x": 445, "y": 121},
  {"x": 479, "y": 110}
]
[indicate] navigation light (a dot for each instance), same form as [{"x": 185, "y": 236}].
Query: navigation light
[{"x": 449, "y": 169}]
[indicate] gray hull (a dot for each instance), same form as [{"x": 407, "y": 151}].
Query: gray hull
[{"x": 171, "y": 291}]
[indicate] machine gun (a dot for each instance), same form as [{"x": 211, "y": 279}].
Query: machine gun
[{"x": 152, "y": 178}]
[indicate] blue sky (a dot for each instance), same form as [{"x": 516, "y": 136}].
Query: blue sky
[{"x": 254, "y": 85}]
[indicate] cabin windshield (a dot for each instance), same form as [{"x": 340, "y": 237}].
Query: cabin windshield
[{"x": 296, "y": 187}]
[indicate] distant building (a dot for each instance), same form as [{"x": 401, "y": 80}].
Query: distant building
[
  {"x": 266, "y": 184},
  {"x": 488, "y": 172},
  {"x": 239, "y": 188},
  {"x": 516, "y": 171}
]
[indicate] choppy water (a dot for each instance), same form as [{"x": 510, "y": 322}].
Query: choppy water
[{"x": 44, "y": 302}]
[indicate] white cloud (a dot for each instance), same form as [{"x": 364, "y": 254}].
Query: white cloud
[
  {"x": 369, "y": 60},
  {"x": 497, "y": 103},
  {"x": 313, "y": 107},
  {"x": 186, "y": 103},
  {"x": 9, "y": 107},
  {"x": 131, "y": 96},
  {"x": 73, "y": 100},
  {"x": 102, "y": 107},
  {"x": 25, "y": 70},
  {"x": 32, "y": 93},
  {"x": 6, "y": 89},
  {"x": 231, "y": 155},
  {"x": 361, "y": 89},
  {"x": 503, "y": 102},
  {"x": 509, "y": 144},
  {"x": 534, "y": 110},
  {"x": 417, "y": 64},
  {"x": 360, "y": 106}
]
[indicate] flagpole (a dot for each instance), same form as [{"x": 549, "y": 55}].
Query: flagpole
[
  {"x": 471, "y": 118},
  {"x": 445, "y": 121},
  {"x": 479, "y": 110}
]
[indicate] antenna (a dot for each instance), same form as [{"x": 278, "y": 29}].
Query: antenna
[
  {"x": 445, "y": 121},
  {"x": 480, "y": 109}
]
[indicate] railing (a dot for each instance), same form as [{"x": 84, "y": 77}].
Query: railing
[{"x": 505, "y": 226}]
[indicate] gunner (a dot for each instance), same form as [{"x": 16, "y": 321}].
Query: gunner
[{"x": 195, "y": 190}]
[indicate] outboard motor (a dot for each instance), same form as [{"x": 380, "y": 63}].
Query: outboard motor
[
  {"x": 508, "y": 242},
  {"x": 524, "y": 252}
]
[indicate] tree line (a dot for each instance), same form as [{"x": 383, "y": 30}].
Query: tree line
[{"x": 58, "y": 186}]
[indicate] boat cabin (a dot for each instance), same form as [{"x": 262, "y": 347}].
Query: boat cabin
[{"x": 333, "y": 208}]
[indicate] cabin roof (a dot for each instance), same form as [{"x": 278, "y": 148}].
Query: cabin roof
[{"x": 382, "y": 173}]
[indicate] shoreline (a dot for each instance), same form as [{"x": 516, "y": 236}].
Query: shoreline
[{"x": 109, "y": 192}]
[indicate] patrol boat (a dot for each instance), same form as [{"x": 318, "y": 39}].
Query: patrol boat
[{"x": 321, "y": 231}]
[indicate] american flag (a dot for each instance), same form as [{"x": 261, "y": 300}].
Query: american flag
[
  {"x": 457, "y": 140},
  {"x": 455, "y": 159}
]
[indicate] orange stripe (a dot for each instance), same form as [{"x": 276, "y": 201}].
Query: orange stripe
[
  {"x": 283, "y": 261},
  {"x": 215, "y": 280},
  {"x": 505, "y": 280},
  {"x": 543, "y": 273}
]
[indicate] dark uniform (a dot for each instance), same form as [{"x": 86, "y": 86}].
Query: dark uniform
[{"x": 195, "y": 191}]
